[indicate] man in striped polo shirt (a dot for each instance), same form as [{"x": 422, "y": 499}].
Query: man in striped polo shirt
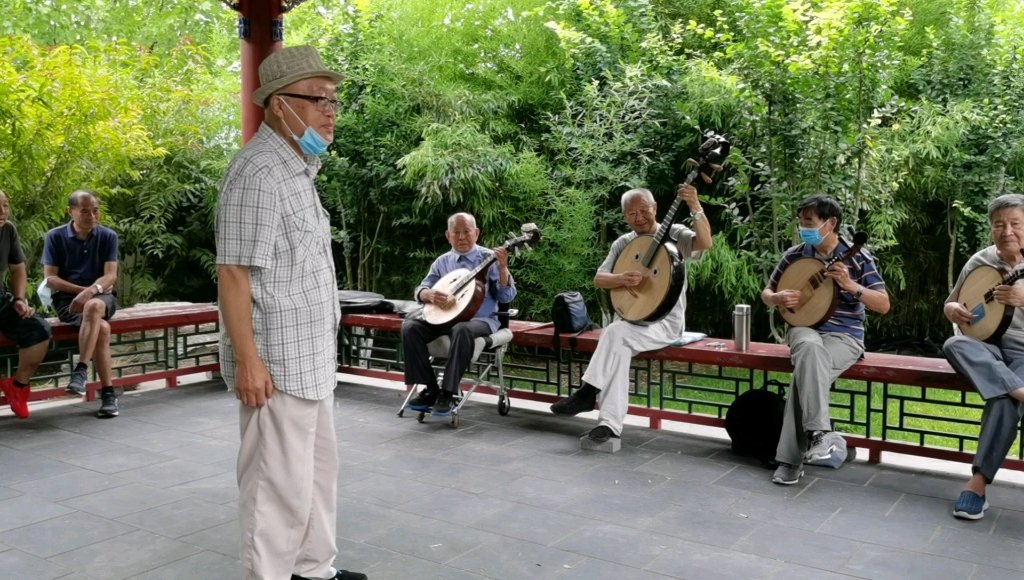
[{"x": 821, "y": 354}]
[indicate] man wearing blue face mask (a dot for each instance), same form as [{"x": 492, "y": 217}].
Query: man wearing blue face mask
[
  {"x": 279, "y": 310},
  {"x": 821, "y": 354}
]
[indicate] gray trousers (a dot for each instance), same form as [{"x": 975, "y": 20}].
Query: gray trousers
[
  {"x": 995, "y": 371},
  {"x": 818, "y": 360}
]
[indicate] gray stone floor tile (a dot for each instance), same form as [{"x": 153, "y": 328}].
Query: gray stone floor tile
[
  {"x": 626, "y": 546},
  {"x": 982, "y": 572},
  {"x": 401, "y": 463},
  {"x": 558, "y": 444},
  {"x": 363, "y": 436},
  {"x": 212, "y": 451},
  {"x": 26, "y": 510},
  {"x": 8, "y": 493},
  {"x": 760, "y": 481},
  {"x": 402, "y": 567},
  {"x": 998, "y": 551},
  {"x": 63, "y": 534},
  {"x": 538, "y": 492},
  {"x": 625, "y": 458},
  {"x": 424, "y": 443},
  {"x": 181, "y": 518},
  {"x": 857, "y": 497},
  {"x": 69, "y": 485},
  {"x": 939, "y": 512},
  {"x": 710, "y": 498},
  {"x": 125, "y": 556},
  {"x": 533, "y": 524},
  {"x": 351, "y": 474},
  {"x": 881, "y": 563},
  {"x": 359, "y": 521},
  {"x": 160, "y": 441},
  {"x": 18, "y": 565},
  {"x": 684, "y": 468},
  {"x": 221, "y": 488},
  {"x": 490, "y": 435},
  {"x": 121, "y": 460},
  {"x": 618, "y": 480},
  {"x": 508, "y": 559},
  {"x": 202, "y": 565},
  {"x": 694, "y": 561},
  {"x": 790, "y": 571},
  {"x": 4, "y": 547},
  {"x": 59, "y": 444},
  {"x": 23, "y": 467},
  {"x": 797, "y": 513},
  {"x": 488, "y": 455},
  {"x": 701, "y": 526},
  {"x": 798, "y": 546},
  {"x": 124, "y": 500},
  {"x": 686, "y": 445},
  {"x": 359, "y": 557},
  {"x": 455, "y": 507},
  {"x": 1009, "y": 523},
  {"x": 602, "y": 570},
  {"x": 547, "y": 466},
  {"x": 890, "y": 531},
  {"x": 468, "y": 478},
  {"x": 224, "y": 539},
  {"x": 616, "y": 508},
  {"x": 853, "y": 472},
  {"x": 919, "y": 484},
  {"x": 170, "y": 473},
  {"x": 387, "y": 491},
  {"x": 228, "y": 433},
  {"x": 1006, "y": 496},
  {"x": 431, "y": 539},
  {"x": 123, "y": 427}
]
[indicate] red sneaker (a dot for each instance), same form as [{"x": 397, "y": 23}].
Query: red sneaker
[{"x": 17, "y": 397}]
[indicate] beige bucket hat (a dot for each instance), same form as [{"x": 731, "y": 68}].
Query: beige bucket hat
[{"x": 287, "y": 66}]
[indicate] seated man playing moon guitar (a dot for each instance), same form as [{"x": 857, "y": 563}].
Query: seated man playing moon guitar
[
  {"x": 822, "y": 353},
  {"x": 416, "y": 334},
  {"x": 607, "y": 376},
  {"x": 995, "y": 367}
]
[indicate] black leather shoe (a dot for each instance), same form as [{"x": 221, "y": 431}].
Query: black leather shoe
[
  {"x": 601, "y": 433},
  {"x": 342, "y": 575},
  {"x": 583, "y": 400},
  {"x": 444, "y": 405},
  {"x": 423, "y": 401}
]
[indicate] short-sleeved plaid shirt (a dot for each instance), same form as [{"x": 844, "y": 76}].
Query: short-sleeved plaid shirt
[{"x": 269, "y": 218}]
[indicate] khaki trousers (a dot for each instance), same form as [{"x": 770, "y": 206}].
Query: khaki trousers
[{"x": 287, "y": 483}]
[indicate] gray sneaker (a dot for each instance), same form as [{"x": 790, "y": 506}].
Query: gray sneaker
[
  {"x": 77, "y": 384},
  {"x": 788, "y": 474},
  {"x": 821, "y": 447}
]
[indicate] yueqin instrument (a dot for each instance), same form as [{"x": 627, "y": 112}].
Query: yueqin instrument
[
  {"x": 989, "y": 318},
  {"x": 819, "y": 294}
]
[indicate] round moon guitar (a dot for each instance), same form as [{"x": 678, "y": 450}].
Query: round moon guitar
[
  {"x": 819, "y": 294},
  {"x": 990, "y": 319}
]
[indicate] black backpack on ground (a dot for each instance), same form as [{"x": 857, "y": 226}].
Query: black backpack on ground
[
  {"x": 569, "y": 315},
  {"x": 754, "y": 422}
]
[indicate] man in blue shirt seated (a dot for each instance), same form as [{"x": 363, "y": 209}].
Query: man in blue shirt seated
[
  {"x": 416, "y": 334},
  {"x": 823, "y": 353},
  {"x": 80, "y": 266}
]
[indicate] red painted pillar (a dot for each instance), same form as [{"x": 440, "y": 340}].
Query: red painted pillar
[{"x": 261, "y": 30}]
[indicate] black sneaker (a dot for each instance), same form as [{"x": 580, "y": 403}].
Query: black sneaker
[
  {"x": 108, "y": 408},
  {"x": 342, "y": 575},
  {"x": 601, "y": 433},
  {"x": 581, "y": 401},
  {"x": 77, "y": 385},
  {"x": 423, "y": 401},
  {"x": 444, "y": 405}
]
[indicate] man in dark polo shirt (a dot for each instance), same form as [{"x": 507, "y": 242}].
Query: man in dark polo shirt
[
  {"x": 80, "y": 266},
  {"x": 18, "y": 321}
]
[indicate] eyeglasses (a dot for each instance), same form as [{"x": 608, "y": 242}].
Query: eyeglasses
[{"x": 323, "y": 104}]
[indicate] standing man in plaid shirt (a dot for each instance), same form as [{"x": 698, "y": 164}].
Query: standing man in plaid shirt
[{"x": 276, "y": 281}]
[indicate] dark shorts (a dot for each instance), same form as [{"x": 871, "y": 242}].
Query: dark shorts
[
  {"x": 62, "y": 304},
  {"x": 24, "y": 331}
]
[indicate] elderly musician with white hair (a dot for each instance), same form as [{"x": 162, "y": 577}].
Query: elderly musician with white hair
[
  {"x": 607, "y": 377},
  {"x": 996, "y": 370},
  {"x": 462, "y": 234}
]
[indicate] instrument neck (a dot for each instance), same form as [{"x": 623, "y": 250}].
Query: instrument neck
[
  {"x": 473, "y": 274},
  {"x": 666, "y": 223}
]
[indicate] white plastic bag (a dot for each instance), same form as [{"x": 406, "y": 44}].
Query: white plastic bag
[{"x": 45, "y": 294}]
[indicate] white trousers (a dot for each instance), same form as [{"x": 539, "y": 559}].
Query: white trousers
[
  {"x": 288, "y": 482},
  {"x": 609, "y": 367}
]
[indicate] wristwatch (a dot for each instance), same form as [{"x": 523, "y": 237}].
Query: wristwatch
[
  {"x": 859, "y": 293},
  {"x": 697, "y": 216},
  {"x": 99, "y": 289},
  {"x": 19, "y": 299}
]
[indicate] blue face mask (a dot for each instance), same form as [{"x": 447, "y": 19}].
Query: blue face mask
[
  {"x": 311, "y": 142},
  {"x": 812, "y": 236}
]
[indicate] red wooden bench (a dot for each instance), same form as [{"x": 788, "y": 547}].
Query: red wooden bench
[
  {"x": 132, "y": 320},
  {"x": 880, "y": 368}
]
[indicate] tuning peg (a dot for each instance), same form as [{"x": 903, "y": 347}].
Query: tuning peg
[
  {"x": 693, "y": 162},
  {"x": 716, "y": 167},
  {"x": 706, "y": 178}
]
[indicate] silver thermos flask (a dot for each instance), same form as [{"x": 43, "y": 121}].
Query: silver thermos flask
[{"x": 741, "y": 327}]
